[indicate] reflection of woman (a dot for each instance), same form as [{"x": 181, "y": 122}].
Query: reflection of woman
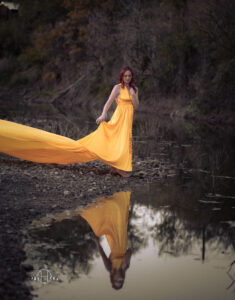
[
  {"x": 116, "y": 266},
  {"x": 109, "y": 217},
  {"x": 111, "y": 142}
]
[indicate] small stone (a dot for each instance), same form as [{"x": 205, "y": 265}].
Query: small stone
[{"x": 66, "y": 193}]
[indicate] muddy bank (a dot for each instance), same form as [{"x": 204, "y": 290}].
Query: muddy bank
[{"x": 29, "y": 191}]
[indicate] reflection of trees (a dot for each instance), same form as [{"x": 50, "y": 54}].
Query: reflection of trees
[
  {"x": 184, "y": 223},
  {"x": 64, "y": 247},
  {"x": 219, "y": 235},
  {"x": 178, "y": 235},
  {"x": 136, "y": 238},
  {"x": 173, "y": 237},
  {"x": 187, "y": 216},
  {"x": 230, "y": 275}
]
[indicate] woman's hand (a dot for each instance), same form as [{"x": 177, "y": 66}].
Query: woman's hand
[{"x": 100, "y": 119}]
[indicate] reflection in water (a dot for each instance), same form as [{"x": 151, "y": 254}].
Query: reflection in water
[
  {"x": 169, "y": 230},
  {"x": 109, "y": 217}
]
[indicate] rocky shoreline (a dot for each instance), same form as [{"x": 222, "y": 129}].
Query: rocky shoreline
[{"x": 29, "y": 191}]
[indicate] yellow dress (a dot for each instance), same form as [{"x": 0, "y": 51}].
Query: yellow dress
[
  {"x": 111, "y": 142},
  {"x": 109, "y": 217}
]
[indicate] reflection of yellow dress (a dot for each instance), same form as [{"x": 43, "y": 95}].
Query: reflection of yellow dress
[
  {"x": 109, "y": 217},
  {"x": 111, "y": 142}
]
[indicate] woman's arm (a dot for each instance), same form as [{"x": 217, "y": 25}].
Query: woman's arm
[
  {"x": 115, "y": 92},
  {"x": 126, "y": 263},
  {"x": 135, "y": 98},
  {"x": 106, "y": 261}
]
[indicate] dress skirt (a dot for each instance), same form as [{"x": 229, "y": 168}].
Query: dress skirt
[{"x": 111, "y": 142}]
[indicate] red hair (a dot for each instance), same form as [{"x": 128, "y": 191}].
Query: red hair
[{"x": 132, "y": 82}]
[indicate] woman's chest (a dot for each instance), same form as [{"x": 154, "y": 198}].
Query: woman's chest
[{"x": 124, "y": 94}]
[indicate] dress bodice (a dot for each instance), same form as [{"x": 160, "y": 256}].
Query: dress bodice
[{"x": 124, "y": 96}]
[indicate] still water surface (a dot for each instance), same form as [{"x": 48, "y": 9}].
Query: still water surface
[
  {"x": 178, "y": 250},
  {"x": 172, "y": 239}
]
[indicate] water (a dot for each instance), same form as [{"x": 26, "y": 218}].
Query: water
[
  {"x": 182, "y": 248},
  {"x": 180, "y": 229}
]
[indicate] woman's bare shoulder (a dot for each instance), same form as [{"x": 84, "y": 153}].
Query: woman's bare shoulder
[
  {"x": 133, "y": 90},
  {"x": 117, "y": 86}
]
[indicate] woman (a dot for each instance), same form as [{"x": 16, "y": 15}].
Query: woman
[
  {"x": 109, "y": 217},
  {"x": 126, "y": 82},
  {"x": 115, "y": 266},
  {"x": 111, "y": 142}
]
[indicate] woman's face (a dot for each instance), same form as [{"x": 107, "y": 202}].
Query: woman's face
[
  {"x": 118, "y": 279},
  {"x": 127, "y": 77}
]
